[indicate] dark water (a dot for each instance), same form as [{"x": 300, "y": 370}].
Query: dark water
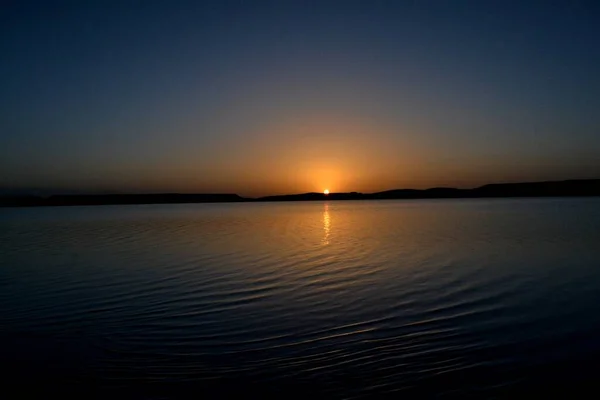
[{"x": 436, "y": 298}]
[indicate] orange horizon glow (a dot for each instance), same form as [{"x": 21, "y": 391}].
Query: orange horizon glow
[{"x": 302, "y": 152}]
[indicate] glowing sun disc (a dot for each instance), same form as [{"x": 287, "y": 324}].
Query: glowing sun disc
[{"x": 326, "y": 191}]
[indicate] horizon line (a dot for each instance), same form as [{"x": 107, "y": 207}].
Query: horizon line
[{"x": 330, "y": 194}]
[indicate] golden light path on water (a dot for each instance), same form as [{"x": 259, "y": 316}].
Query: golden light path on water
[{"x": 326, "y": 224}]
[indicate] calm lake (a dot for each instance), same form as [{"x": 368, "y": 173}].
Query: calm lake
[{"x": 349, "y": 299}]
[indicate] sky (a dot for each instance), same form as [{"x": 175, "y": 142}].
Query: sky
[{"x": 272, "y": 97}]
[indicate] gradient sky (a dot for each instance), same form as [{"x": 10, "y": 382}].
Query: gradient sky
[{"x": 267, "y": 97}]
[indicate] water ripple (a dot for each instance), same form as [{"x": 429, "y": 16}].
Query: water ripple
[{"x": 351, "y": 299}]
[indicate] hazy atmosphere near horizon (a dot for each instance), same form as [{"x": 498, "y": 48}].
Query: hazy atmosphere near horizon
[{"x": 268, "y": 97}]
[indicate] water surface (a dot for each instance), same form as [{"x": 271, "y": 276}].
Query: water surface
[{"x": 349, "y": 299}]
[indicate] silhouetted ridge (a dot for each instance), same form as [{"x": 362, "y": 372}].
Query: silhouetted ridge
[
  {"x": 314, "y": 196},
  {"x": 163, "y": 198},
  {"x": 586, "y": 187},
  {"x": 434, "y": 193}
]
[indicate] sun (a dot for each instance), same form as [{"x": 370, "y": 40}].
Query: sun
[{"x": 326, "y": 191}]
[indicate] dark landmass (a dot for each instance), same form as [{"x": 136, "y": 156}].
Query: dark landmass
[
  {"x": 106, "y": 199},
  {"x": 586, "y": 187}
]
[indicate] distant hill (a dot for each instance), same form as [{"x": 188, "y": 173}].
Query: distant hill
[
  {"x": 432, "y": 193},
  {"x": 106, "y": 199},
  {"x": 585, "y": 187},
  {"x": 314, "y": 196}
]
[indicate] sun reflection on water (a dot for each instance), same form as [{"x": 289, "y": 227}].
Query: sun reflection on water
[{"x": 326, "y": 224}]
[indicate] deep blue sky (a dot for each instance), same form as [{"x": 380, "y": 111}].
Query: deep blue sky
[{"x": 260, "y": 97}]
